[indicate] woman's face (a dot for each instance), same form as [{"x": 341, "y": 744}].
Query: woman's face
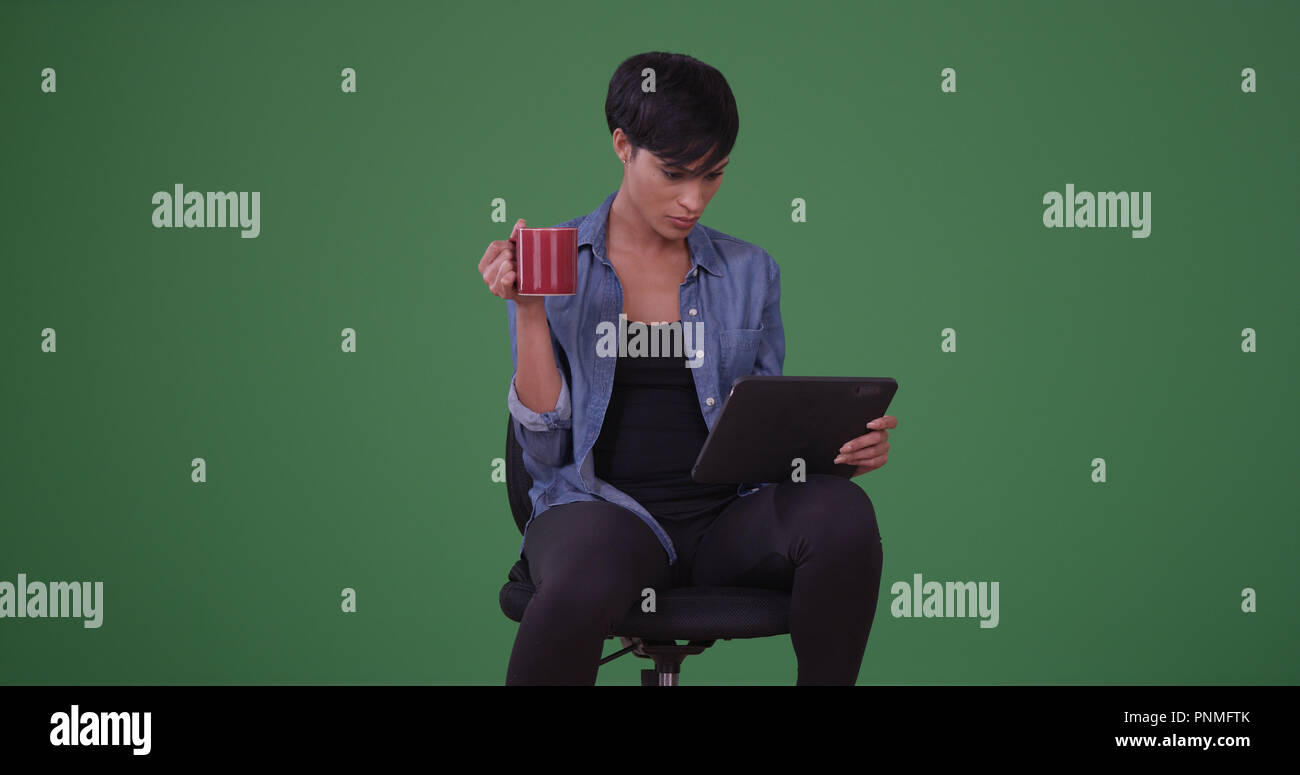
[{"x": 661, "y": 193}]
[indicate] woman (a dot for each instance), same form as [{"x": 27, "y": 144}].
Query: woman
[{"x": 610, "y": 441}]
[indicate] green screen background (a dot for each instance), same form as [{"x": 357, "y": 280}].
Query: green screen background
[{"x": 373, "y": 470}]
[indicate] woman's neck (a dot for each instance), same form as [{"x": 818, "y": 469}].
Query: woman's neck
[{"x": 628, "y": 234}]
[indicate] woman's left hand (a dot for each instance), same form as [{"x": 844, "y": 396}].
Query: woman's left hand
[{"x": 870, "y": 451}]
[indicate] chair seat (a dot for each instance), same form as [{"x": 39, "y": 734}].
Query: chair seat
[{"x": 682, "y": 613}]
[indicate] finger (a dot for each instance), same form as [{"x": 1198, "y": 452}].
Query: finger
[
  {"x": 860, "y": 442},
  {"x": 871, "y": 461},
  {"x": 864, "y": 455},
  {"x": 494, "y": 249},
  {"x": 504, "y": 260},
  {"x": 513, "y": 242},
  {"x": 506, "y": 279},
  {"x": 488, "y": 273},
  {"x": 496, "y": 272},
  {"x": 874, "y": 461},
  {"x": 505, "y": 266}
]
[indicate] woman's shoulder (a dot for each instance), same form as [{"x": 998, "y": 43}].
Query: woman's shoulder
[{"x": 736, "y": 253}]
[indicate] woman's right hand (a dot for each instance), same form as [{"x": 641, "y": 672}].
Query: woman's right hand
[{"x": 498, "y": 269}]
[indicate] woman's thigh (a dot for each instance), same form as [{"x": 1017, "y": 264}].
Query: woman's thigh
[
  {"x": 593, "y": 549},
  {"x": 760, "y": 539}
]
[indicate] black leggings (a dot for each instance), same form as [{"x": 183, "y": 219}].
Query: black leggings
[{"x": 590, "y": 560}]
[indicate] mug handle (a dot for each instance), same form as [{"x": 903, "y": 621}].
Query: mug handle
[{"x": 514, "y": 244}]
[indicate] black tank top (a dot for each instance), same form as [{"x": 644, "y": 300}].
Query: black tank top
[{"x": 652, "y": 433}]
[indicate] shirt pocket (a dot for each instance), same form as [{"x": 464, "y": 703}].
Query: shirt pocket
[{"x": 739, "y": 353}]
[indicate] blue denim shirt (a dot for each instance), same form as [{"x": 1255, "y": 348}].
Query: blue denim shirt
[{"x": 733, "y": 287}]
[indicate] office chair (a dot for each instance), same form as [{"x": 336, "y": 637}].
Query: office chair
[{"x": 698, "y": 615}]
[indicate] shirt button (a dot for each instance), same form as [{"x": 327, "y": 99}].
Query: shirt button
[
  {"x": 692, "y": 310},
  {"x": 709, "y": 400}
]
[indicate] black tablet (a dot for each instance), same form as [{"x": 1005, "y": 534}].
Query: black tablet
[{"x": 768, "y": 421}]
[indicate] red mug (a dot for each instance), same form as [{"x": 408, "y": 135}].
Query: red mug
[{"x": 546, "y": 260}]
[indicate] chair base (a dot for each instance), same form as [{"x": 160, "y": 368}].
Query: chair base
[{"x": 666, "y": 655}]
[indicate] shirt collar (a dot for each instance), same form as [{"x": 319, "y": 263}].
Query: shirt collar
[{"x": 592, "y": 232}]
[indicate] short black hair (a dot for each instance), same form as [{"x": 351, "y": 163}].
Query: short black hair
[{"x": 691, "y": 109}]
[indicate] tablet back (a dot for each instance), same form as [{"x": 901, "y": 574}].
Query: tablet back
[{"x": 768, "y": 421}]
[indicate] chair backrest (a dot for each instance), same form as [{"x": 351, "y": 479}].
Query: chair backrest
[{"x": 518, "y": 480}]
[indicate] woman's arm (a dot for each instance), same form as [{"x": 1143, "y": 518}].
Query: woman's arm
[{"x": 539, "y": 392}]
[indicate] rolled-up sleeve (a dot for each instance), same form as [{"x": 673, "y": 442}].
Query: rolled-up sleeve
[
  {"x": 544, "y": 436},
  {"x": 559, "y": 418}
]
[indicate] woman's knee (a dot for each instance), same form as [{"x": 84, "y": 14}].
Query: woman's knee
[
  {"x": 831, "y": 509},
  {"x": 586, "y": 600},
  {"x": 591, "y": 561}
]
